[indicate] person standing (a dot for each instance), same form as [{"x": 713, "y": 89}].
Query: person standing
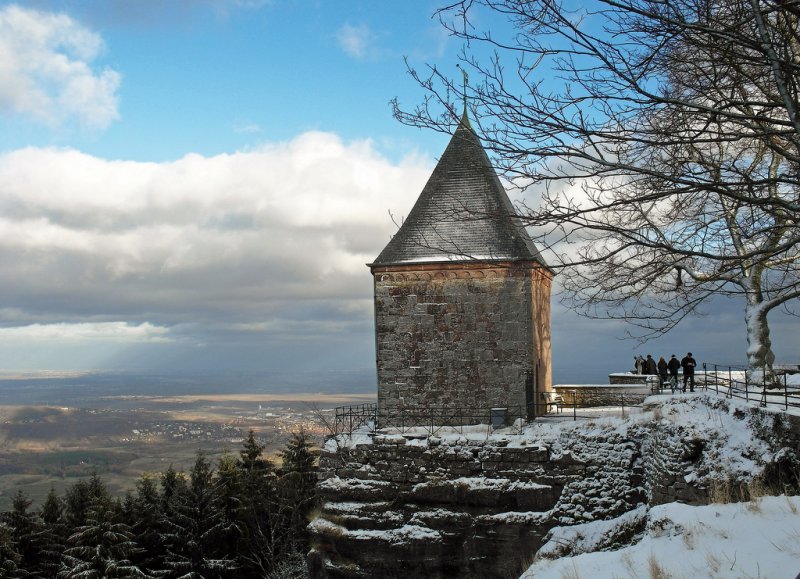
[
  {"x": 688, "y": 363},
  {"x": 662, "y": 370},
  {"x": 673, "y": 366},
  {"x": 652, "y": 369}
]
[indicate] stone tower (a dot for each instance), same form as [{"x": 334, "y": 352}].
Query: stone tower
[{"x": 462, "y": 295}]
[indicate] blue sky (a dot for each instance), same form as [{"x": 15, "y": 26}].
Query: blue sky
[
  {"x": 215, "y": 76},
  {"x": 198, "y": 185}
]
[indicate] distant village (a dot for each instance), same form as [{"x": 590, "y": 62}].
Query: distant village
[{"x": 272, "y": 424}]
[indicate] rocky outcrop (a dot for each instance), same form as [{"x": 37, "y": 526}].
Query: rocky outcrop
[
  {"x": 481, "y": 503},
  {"x": 457, "y": 506}
]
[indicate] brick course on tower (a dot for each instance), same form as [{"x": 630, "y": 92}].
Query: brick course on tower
[{"x": 462, "y": 295}]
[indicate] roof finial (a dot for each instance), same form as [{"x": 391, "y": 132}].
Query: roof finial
[
  {"x": 466, "y": 80},
  {"x": 464, "y": 117}
]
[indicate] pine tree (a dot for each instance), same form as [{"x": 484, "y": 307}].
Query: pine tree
[
  {"x": 297, "y": 490},
  {"x": 298, "y": 456},
  {"x": 25, "y": 527},
  {"x": 52, "y": 536},
  {"x": 52, "y": 509},
  {"x": 102, "y": 547},
  {"x": 195, "y": 529},
  {"x": 173, "y": 484},
  {"x": 251, "y": 459},
  {"x": 76, "y": 504},
  {"x": 79, "y": 497},
  {"x": 9, "y": 556},
  {"x": 229, "y": 486},
  {"x": 256, "y": 548},
  {"x": 277, "y": 507},
  {"x": 147, "y": 525}
]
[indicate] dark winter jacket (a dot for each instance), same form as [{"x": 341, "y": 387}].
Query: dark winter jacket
[
  {"x": 662, "y": 367},
  {"x": 651, "y": 366},
  {"x": 688, "y": 363},
  {"x": 673, "y": 365}
]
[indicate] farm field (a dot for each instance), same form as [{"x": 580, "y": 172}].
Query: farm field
[{"x": 121, "y": 437}]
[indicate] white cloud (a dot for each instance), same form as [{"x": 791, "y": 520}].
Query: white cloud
[
  {"x": 355, "y": 40},
  {"x": 243, "y": 252},
  {"x": 104, "y": 331},
  {"x": 46, "y": 70},
  {"x": 277, "y": 236}
]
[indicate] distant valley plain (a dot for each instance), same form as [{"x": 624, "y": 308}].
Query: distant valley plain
[{"x": 58, "y": 427}]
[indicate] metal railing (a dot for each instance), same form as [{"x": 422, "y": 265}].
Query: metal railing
[
  {"x": 433, "y": 420},
  {"x": 744, "y": 383},
  {"x": 731, "y": 381},
  {"x": 429, "y": 420},
  {"x": 350, "y": 418}
]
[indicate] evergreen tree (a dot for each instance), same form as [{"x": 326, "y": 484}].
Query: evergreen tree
[
  {"x": 173, "y": 484},
  {"x": 127, "y": 509},
  {"x": 245, "y": 520},
  {"x": 298, "y": 456},
  {"x": 196, "y": 530},
  {"x": 251, "y": 459},
  {"x": 51, "y": 536},
  {"x": 229, "y": 485},
  {"x": 25, "y": 527},
  {"x": 52, "y": 509},
  {"x": 147, "y": 524},
  {"x": 297, "y": 491},
  {"x": 256, "y": 549},
  {"x": 9, "y": 556},
  {"x": 79, "y": 498},
  {"x": 76, "y": 504},
  {"x": 100, "y": 548}
]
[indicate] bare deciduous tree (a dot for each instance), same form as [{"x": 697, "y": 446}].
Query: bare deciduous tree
[{"x": 663, "y": 139}]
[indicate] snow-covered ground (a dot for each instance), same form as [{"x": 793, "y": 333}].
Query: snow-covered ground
[{"x": 759, "y": 539}]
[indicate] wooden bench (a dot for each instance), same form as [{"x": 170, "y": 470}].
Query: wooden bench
[{"x": 552, "y": 400}]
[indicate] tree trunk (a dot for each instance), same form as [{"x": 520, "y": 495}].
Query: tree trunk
[{"x": 759, "y": 345}]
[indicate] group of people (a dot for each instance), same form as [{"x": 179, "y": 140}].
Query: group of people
[{"x": 668, "y": 370}]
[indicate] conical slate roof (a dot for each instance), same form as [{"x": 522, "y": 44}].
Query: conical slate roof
[{"x": 462, "y": 214}]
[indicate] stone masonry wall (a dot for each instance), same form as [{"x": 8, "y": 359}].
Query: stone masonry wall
[
  {"x": 406, "y": 506},
  {"x": 674, "y": 456},
  {"x": 602, "y": 395},
  {"x": 461, "y": 335}
]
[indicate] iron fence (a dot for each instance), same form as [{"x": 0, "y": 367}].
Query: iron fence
[
  {"x": 433, "y": 420},
  {"x": 429, "y": 420},
  {"x": 350, "y": 418},
  {"x": 777, "y": 390},
  {"x": 579, "y": 404},
  {"x": 740, "y": 382}
]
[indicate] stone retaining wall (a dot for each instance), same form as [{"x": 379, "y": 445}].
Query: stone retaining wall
[
  {"x": 404, "y": 506},
  {"x": 603, "y": 394},
  {"x": 412, "y": 459},
  {"x": 666, "y": 454}
]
